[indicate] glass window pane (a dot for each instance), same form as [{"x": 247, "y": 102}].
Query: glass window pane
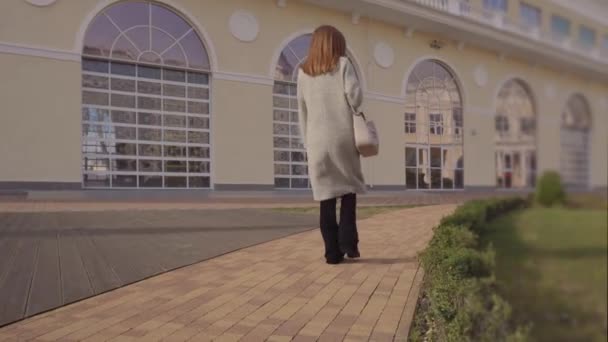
[
  {"x": 198, "y": 107},
  {"x": 99, "y": 38},
  {"x": 175, "y": 120},
  {"x": 410, "y": 178},
  {"x": 198, "y": 78},
  {"x": 129, "y": 14},
  {"x": 174, "y": 90},
  {"x": 122, "y": 69},
  {"x": 150, "y": 165},
  {"x": 560, "y": 27},
  {"x": 410, "y": 156},
  {"x": 282, "y": 156},
  {"x": 96, "y": 181},
  {"x": 281, "y": 183},
  {"x": 92, "y": 81},
  {"x": 123, "y": 85},
  {"x": 148, "y": 103},
  {"x": 119, "y": 100},
  {"x": 435, "y": 157},
  {"x": 175, "y": 136},
  {"x": 124, "y": 181},
  {"x": 195, "y": 51},
  {"x": 299, "y": 183},
  {"x": 298, "y": 157},
  {"x": 174, "y": 105},
  {"x": 175, "y": 166},
  {"x": 198, "y": 122},
  {"x": 151, "y": 181},
  {"x": 168, "y": 21},
  {"x": 281, "y": 169},
  {"x": 95, "y": 98},
  {"x": 530, "y": 15},
  {"x": 198, "y": 137},
  {"x": 281, "y": 142},
  {"x": 125, "y": 164},
  {"x": 149, "y": 88},
  {"x": 174, "y": 75},
  {"x": 282, "y": 129},
  {"x": 176, "y": 182},
  {"x": 198, "y": 93},
  {"x": 149, "y": 119},
  {"x": 435, "y": 179},
  {"x": 199, "y": 182},
  {"x": 198, "y": 152},
  {"x": 148, "y": 72},
  {"x": 95, "y": 65},
  {"x": 149, "y": 134}
]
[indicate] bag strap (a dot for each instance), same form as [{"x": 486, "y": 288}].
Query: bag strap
[{"x": 354, "y": 112}]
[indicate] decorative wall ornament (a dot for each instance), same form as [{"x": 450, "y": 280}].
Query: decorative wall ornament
[
  {"x": 384, "y": 54},
  {"x": 244, "y": 26},
  {"x": 41, "y": 3},
  {"x": 480, "y": 74}
]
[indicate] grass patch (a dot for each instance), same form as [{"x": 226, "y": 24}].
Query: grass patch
[
  {"x": 363, "y": 212},
  {"x": 551, "y": 266},
  {"x": 587, "y": 201}
]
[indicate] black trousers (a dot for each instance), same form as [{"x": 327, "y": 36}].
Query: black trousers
[{"x": 339, "y": 237}]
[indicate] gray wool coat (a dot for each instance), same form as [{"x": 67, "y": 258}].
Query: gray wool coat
[{"x": 326, "y": 126}]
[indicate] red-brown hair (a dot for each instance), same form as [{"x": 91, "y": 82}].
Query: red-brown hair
[{"x": 326, "y": 48}]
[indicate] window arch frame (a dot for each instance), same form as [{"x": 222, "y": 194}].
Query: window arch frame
[
  {"x": 526, "y": 155},
  {"x": 422, "y": 146},
  {"x": 587, "y": 133},
  {"x": 206, "y": 49}
]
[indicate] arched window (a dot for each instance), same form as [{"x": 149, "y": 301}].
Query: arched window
[
  {"x": 433, "y": 129},
  {"x": 515, "y": 136},
  {"x": 290, "y": 160},
  {"x": 575, "y": 128},
  {"x": 145, "y": 100}
]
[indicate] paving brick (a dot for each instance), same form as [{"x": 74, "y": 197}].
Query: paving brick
[{"x": 276, "y": 291}]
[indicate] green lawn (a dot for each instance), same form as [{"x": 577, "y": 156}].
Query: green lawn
[
  {"x": 363, "y": 212},
  {"x": 551, "y": 265}
]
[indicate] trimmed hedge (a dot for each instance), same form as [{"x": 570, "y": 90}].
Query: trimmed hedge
[
  {"x": 459, "y": 301},
  {"x": 549, "y": 190}
]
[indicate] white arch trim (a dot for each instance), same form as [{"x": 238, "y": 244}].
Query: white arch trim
[
  {"x": 455, "y": 75},
  {"x": 569, "y": 95},
  {"x": 277, "y": 53},
  {"x": 525, "y": 82},
  {"x": 198, "y": 28}
]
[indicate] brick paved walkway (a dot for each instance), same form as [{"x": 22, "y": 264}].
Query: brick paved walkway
[{"x": 276, "y": 291}]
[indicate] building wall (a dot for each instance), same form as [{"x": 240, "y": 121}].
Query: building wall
[{"x": 40, "y": 122}]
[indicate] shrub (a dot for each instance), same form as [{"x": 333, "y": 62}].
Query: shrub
[
  {"x": 458, "y": 301},
  {"x": 549, "y": 190}
]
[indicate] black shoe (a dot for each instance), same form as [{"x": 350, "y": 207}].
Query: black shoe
[
  {"x": 354, "y": 254},
  {"x": 335, "y": 261}
]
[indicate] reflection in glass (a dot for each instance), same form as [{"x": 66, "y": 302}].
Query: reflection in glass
[
  {"x": 574, "y": 142},
  {"x": 515, "y": 135},
  {"x": 434, "y": 123}
]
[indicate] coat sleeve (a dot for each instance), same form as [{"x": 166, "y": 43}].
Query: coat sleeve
[
  {"x": 302, "y": 111},
  {"x": 352, "y": 88}
]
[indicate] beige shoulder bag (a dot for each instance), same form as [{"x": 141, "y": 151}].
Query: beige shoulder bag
[{"x": 366, "y": 134}]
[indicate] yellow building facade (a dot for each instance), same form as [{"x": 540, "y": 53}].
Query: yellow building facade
[{"x": 200, "y": 94}]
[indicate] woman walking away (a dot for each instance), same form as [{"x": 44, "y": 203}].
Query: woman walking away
[{"x": 328, "y": 93}]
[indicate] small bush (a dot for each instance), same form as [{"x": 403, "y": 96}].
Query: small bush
[
  {"x": 549, "y": 190},
  {"x": 458, "y": 301}
]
